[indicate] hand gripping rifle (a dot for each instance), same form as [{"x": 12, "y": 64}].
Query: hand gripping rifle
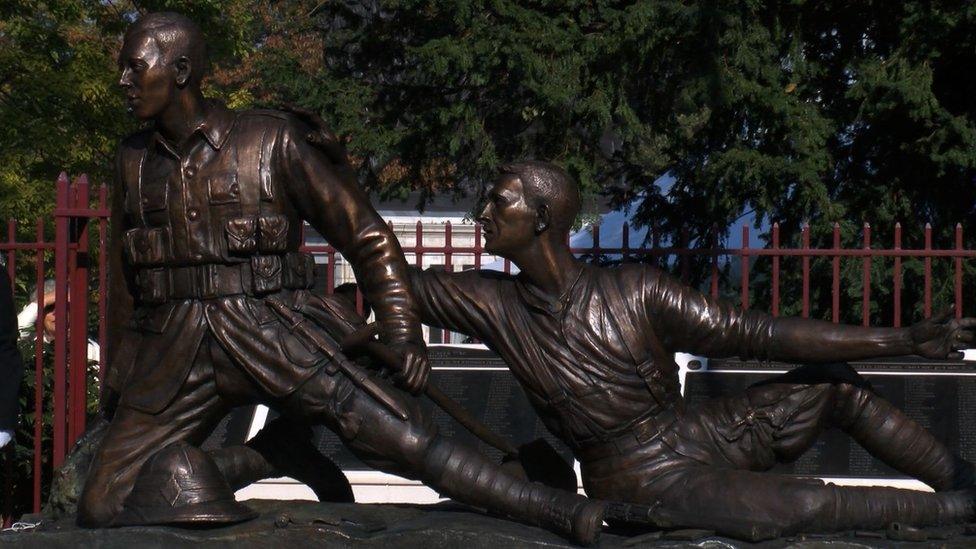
[{"x": 361, "y": 341}]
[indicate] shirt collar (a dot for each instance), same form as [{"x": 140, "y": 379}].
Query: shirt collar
[
  {"x": 217, "y": 123},
  {"x": 548, "y": 303}
]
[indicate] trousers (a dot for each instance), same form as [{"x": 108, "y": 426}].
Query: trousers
[
  {"x": 711, "y": 466},
  {"x": 412, "y": 448}
]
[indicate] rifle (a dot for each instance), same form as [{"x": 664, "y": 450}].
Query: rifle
[{"x": 318, "y": 339}]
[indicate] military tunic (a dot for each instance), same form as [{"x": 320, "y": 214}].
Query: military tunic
[
  {"x": 212, "y": 230},
  {"x": 575, "y": 354}
]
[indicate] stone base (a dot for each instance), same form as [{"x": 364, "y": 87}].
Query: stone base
[{"x": 294, "y": 524}]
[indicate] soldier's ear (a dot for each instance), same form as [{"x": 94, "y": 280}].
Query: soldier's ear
[
  {"x": 543, "y": 217},
  {"x": 183, "y": 70}
]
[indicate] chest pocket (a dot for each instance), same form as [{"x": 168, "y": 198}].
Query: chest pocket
[
  {"x": 154, "y": 195},
  {"x": 223, "y": 188},
  {"x": 154, "y": 201}
]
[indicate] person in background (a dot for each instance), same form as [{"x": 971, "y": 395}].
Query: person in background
[
  {"x": 11, "y": 364},
  {"x": 28, "y": 316}
]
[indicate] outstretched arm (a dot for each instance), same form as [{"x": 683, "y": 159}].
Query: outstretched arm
[
  {"x": 687, "y": 320},
  {"x": 798, "y": 339},
  {"x": 337, "y": 208},
  {"x": 460, "y": 302}
]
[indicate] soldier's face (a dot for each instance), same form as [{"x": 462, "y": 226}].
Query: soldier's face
[
  {"x": 148, "y": 79},
  {"x": 508, "y": 221}
]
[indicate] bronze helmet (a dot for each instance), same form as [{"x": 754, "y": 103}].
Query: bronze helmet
[{"x": 180, "y": 484}]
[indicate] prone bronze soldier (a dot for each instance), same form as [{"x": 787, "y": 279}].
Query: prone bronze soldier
[
  {"x": 206, "y": 226},
  {"x": 593, "y": 348}
]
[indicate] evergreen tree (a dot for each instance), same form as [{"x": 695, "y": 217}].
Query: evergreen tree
[{"x": 799, "y": 111}]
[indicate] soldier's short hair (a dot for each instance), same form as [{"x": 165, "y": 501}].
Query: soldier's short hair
[
  {"x": 176, "y": 35},
  {"x": 547, "y": 183}
]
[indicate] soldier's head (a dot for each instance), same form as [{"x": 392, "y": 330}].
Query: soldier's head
[
  {"x": 530, "y": 200},
  {"x": 164, "y": 54}
]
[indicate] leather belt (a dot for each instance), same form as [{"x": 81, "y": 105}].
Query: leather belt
[
  {"x": 208, "y": 281},
  {"x": 160, "y": 284},
  {"x": 635, "y": 436}
]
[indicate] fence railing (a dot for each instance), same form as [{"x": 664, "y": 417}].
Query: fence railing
[
  {"x": 73, "y": 216},
  {"x": 80, "y": 285}
]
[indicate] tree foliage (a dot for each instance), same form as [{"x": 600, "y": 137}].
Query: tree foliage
[
  {"x": 59, "y": 101},
  {"x": 796, "y": 110}
]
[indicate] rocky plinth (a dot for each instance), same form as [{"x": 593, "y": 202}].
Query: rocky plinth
[{"x": 310, "y": 524}]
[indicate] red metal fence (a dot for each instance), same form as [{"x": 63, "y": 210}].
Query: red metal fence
[
  {"x": 78, "y": 286},
  {"x": 73, "y": 215}
]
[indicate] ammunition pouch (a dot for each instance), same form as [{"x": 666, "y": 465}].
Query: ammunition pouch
[
  {"x": 273, "y": 233},
  {"x": 242, "y": 235},
  {"x": 261, "y": 275},
  {"x": 264, "y": 234},
  {"x": 147, "y": 247},
  {"x": 265, "y": 273}
]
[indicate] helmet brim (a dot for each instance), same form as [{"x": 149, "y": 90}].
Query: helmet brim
[{"x": 200, "y": 514}]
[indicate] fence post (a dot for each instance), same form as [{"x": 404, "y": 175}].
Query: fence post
[
  {"x": 61, "y": 315},
  {"x": 477, "y": 246},
  {"x": 776, "y": 270},
  {"x": 684, "y": 259},
  {"x": 11, "y": 256},
  {"x": 78, "y": 315},
  {"x": 897, "y": 277},
  {"x": 448, "y": 266},
  {"x": 38, "y": 364},
  {"x": 745, "y": 267},
  {"x": 866, "y": 278},
  {"x": 103, "y": 286},
  {"x": 805, "y": 262},
  {"x": 624, "y": 242},
  {"x": 6, "y": 513},
  {"x": 928, "y": 271},
  {"x": 714, "y": 276},
  {"x": 835, "y": 276},
  {"x": 957, "y": 279},
  {"x": 595, "y": 248},
  {"x": 419, "y": 254}
]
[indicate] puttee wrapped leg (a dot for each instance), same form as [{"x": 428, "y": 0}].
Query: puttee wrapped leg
[
  {"x": 464, "y": 474},
  {"x": 871, "y": 507},
  {"x": 891, "y": 436}
]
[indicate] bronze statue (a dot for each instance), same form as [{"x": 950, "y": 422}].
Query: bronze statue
[
  {"x": 210, "y": 308},
  {"x": 593, "y": 348}
]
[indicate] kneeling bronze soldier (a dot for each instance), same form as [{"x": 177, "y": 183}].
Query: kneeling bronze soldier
[
  {"x": 208, "y": 206},
  {"x": 593, "y": 348}
]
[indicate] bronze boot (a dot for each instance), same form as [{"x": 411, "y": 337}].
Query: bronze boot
[
  {"x": 875, "y": 507},
  {"x": 464, "y": 474}
]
